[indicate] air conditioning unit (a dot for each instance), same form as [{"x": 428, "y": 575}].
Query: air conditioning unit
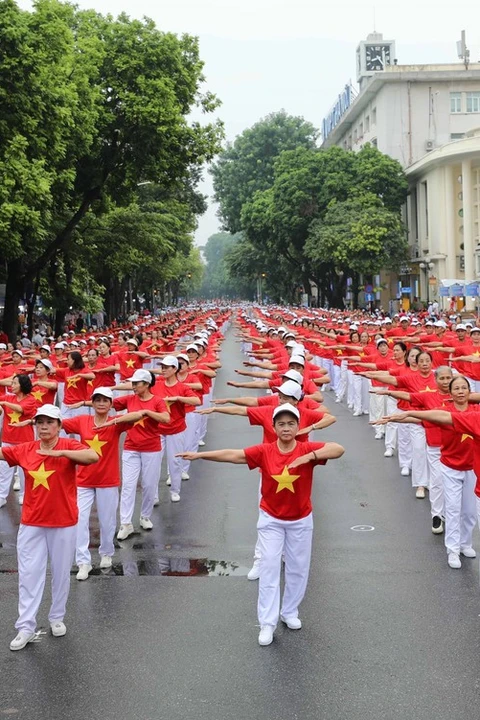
[{"x": 429, "y": 145}]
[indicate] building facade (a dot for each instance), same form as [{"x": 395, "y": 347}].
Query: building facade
[{"x": 424, "y": 116}]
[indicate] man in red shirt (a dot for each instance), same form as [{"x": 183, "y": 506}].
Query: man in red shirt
[{"x": 285, "y": 524}]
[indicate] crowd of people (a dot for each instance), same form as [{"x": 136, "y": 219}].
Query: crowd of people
[{"x": 67, "y": 402}]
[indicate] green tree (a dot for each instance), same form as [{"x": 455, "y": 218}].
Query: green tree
[
  {"x": 247, "y": 165},
  {"x": 216, "y": 280},
  {"x": 90, "y": 106}
]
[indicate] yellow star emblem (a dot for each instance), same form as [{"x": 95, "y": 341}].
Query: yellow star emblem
[
  {"x": 169, "y": 404},
  {"x": 72, "y": 381},
  {"x": 40, "y": 476},
  {"x": 14, "y": 417},
  {"x": 285, "y": 480},
  {"x": 465, "y": 436},
  {"x": 130, "y": 363},
  {"x": 154, "y": 348},
  {"x": 429, "y": 389},
  {"x": 140, "y": 422},
  {"x": 96, "y": 444},
  {"x": 38, "y": 395},
  {"x": 339, "y": 352},
  {"x": 362, "y": 354},
  {"x": 476, "y": 353},
  {"x": 90, "y": 382}
]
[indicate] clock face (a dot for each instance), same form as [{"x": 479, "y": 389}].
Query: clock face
[{"x": 377, "y": 57}]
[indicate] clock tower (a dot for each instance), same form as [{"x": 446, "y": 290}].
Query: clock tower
[{"x": 373, "y": 55}]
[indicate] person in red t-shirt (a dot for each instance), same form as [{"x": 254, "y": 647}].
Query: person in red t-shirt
[
  {"x": 44, "y": 387},
  {"x": 457, "y": 463},
  {"x": 99, "y": 482},
  {"x": 285, "y": 524},
  {"x": 142, "y": 451},
  {"x": 193, "y": 381},
  {"x": 48, "y": 525},
  {"x": 76, "y": 377},
  {"x": 17, "y": 407}
]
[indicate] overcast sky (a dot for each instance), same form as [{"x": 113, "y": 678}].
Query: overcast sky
[{"x": 264, "y": 55}]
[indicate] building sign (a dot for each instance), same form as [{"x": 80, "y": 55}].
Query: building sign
[
  {"x": 471, "y": 290},
  {"x": 341, "y": 106},
  {"x": 457, "y": 290}
]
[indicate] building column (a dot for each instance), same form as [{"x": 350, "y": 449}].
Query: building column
[
  {"x": 468, "y": 249},
  {"x": 449, "y": 247}
]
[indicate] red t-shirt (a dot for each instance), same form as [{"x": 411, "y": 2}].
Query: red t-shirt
[
  {"x": 176, "y": 409},
  {"x": 457, "y": 447},
  {"x": 430, "y": 401},
  {"x": 105, "y": 379},
  {"x": 50, "y": 485},
  {"x": 285, "y": 494},
  {"x": 42, "y": 395},
  {"x": 104, "y": 440},
  {"x": 12, "y": 433},
  {"x": 128, "y": 362},
  {"x": 469, "y": 423},
  {"x": 76, "y": 387},
  {"x": 144, "y": 435},
  {"x": 263, "y": 416}
]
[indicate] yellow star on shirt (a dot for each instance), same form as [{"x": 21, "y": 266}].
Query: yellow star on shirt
[
  {"x": 476, "y": 353},
  {"x": 429, "y": 389},
  {"x": 90, "y": 382},
  {"x": 40, "y": 476},
  {"x": 72, "y": 381},
  {"x": 14, "y": 417},
  {"x": 285, "y": 480},
  {"x": 169, "y": 404},
  {"x": 38, "y": 395},
  {"x": 140, "y": 422},
  {"x": 465, "y": 436},
  {"x": 130, "y": 363},
  {"x": 96, "y": 444}
]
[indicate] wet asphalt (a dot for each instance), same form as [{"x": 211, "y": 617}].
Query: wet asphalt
[{"x": 390, "y": 632}]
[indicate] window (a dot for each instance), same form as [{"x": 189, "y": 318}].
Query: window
[
  {"x": 455, "y": 102},
  {"x": 425, "y": 201},
  {"x": 349, "y": 142},
  {"x": 473, "y": 102},
  {"x": 374, "y": 116},
  {"x": 360, "y": 130},
  {"x": 457, "y": 136},
  {"x": 414, "y": 206},
  {"x": 354, "y": 136},
  {"x": 374, "y": 142},
  {"x": 367, "y": 124}
]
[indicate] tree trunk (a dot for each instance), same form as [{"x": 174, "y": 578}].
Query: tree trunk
[
  {"x": 355, "y": 290},
  {"x": 14, "y": 290}
]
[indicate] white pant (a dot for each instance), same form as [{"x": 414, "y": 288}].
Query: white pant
[
  {"x": 404, "y": 440},
  {"x": 294, "y": 538},
  {"x": 107, "y": 504},
  {"x": 474, "y": 385},
  {"x": 436, "y": 483},
  {"x": 419, "y": 456},
  {"x": 203, "y": 419},
  {"x": 133, "y": 462},
  {"x": 350, "y": 388},
  {"x": 391, "y": 428},
  {"x": 35, "y": 545},
  {"x": 377, "y": 410},
  {"x": 191, "y": 437},
  {"x": 335, "y": 378},
  {"x": 460, "y": 507},
  {"x": 172, "y": 445},
  {"x": 342, "y": 380}
]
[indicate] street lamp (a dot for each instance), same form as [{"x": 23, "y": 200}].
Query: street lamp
[{"x": 426, "y": 266}]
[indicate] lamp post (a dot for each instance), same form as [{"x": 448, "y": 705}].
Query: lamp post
[{"x": 426, "y": 266}]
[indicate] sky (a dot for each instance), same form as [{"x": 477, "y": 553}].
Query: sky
[{"x": 266, "y": 55}]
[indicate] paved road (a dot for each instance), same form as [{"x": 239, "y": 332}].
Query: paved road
[{"x": 389, "y": 631}]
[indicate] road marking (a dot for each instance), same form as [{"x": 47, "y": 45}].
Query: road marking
[{"x": 362, "y": 528}]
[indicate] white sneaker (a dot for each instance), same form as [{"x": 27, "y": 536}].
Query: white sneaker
[
  {"x": 125, "y": 531},
  {"x": 174, "y": 497},
  {"x": 20, "y": 499},
  {"x": 156, "y": 502},
  {"x": 379, "y": 437},
  {"x": 420, "y": 493},
  {"x": 357, "y": 413},
  {"x": 468, "y": 552},
  {"x": 3, "y": 502},
  {"x": 58, "y": 628},
  {"x": 168, "y": 481},
  {"x": 254, "y": 572},
  {"x": 405, "y": 471},
  {"x": 293, "y": 623},
  {"x": 106, "y": 562},
  {"x": 22, "y": 639},
  {"x": 266, "y": 635},
  {"x": 388, "y": 452},
  {"x": 16, "y": 482},
  {"x": 201, "y": 444},
  {"x": 454, "y": 561},
  {"x": 146, "y": 523},
  {"x": 83, "y": 571},
  {"x": 185, "y": 476}
]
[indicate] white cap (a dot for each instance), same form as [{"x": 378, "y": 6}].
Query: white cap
[
  {"x": 286, "y": 408},
  {"x": 299, "y": 359},
  {"x": 291, "y": 343},
  {"x": 381, "y": 340},
  {"x": 45, "y": 362},
  {"x": 461, "y": 326},
  {"x": 141, "y": 376},
  {"x": 192, "y": 347},
  {"x": 183, "y": 356},
  {"x": 45, "y": 347},
  {"x": 74, "y": 343},
  {"x": 3, "y": 346},
  {"x": 170, "y": 361},
  {"x": 293, "y": 375},
  {"x": 48, "y": 410},
  {"x": 290, "y": 388},
  {"x": 19, "y": 352},
  {"x": 440, "y": 323},
  {"x": 429, "y": 323},
  {"x": 59, "y": 346},
  {"x": 104, "y": 392},
  {"x": 132, "y": 341},
  {"x": 475, "y": 329}
]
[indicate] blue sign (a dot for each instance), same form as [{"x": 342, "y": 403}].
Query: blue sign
[
  {"x": 406, "y": 289},
  {"x": 471, "y": 290},
  {"x": 368, "y": 288},
  {"x": 369, "y": 297},
  {"x": 457, "y": 290},
  {"x": 340, "y": 108},
  {"x": 444, "y": 292}
]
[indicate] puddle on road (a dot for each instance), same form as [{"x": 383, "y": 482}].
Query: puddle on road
[{"x": 171, "y": 567}]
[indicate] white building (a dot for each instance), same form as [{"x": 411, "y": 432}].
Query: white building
[{"x": 424, "y": 116}]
